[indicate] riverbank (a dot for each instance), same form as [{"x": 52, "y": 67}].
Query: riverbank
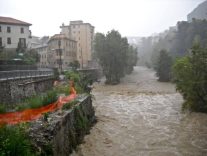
[{"x": 143, "y": 117}]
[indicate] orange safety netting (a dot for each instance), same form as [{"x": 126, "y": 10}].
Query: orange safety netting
[{"x": 32, "y": 114}]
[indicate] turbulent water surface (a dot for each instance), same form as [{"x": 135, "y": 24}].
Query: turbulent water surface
[{"x": 142, "y": 117}]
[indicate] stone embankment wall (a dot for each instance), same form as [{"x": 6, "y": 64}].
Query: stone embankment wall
[
  {"x": 13, "y": 91},
  {"x": 63, "y": 130}
]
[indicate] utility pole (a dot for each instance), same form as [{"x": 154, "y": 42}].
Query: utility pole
[
  {"x": 81, "y": 58},
  {"x": 60, "y": 53}
]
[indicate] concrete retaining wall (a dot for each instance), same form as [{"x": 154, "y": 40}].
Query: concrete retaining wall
[
  {"x": 63, "y": 130},
  {"x": 13, "y": 91}
]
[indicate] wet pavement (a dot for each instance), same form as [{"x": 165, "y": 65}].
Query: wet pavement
[{"x": 143, "y": 117}]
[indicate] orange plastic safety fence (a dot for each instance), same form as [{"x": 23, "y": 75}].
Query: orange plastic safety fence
[{"x": 32, "y": 114}]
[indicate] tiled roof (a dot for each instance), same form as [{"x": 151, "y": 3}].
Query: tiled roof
[
  {"x": 60, "y": 36},
  {"x": 9, "y": 20}
]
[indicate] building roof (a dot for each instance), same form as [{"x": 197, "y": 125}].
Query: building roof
[
  {"x": 60, "y": 36},
  {"x": 12, "y": 21},
  {"x": 77, "y": 22}
]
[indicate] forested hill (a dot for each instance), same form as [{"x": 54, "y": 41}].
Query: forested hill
[
  {"x": 178, "y": 40},
  {"x": 199, "y": 13}
]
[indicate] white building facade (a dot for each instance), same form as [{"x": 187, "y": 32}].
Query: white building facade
[{"x": 13, "y": 32}]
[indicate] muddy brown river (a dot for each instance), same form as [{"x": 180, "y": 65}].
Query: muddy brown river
[{"x": 143, "y": 117}]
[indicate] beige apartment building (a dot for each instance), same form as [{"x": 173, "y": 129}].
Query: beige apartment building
[
  {"x": 61, "y": 51},
  {"x": 83, "y": 33}
]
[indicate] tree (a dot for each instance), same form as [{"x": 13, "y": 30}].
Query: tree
[
  {"x": 75, "y": 64},
  {"x": 131, "y": 59},
  {"x": 190, "y": 74},
  {"x": 20, "y": 48},
  {"x": 30, "y": 57},
  {"x": 177, "y": 41},
  {"x": 113, "y": 53},
  {"x": 163, "y": 68}
]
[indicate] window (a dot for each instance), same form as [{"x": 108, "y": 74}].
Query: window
[
  {"x": 22, "y": 42},
  {"x": 0, "y": 28},
  {"x": 8, "y": 40},
  {"x": 22, "y": 30},
  {"x": 0, "y": 42},
  {"x": 8, "y": 29}
]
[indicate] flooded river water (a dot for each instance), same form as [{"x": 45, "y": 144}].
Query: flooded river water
[{"x": 142, "y": 117}]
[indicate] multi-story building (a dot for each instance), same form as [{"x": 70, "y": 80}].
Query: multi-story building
[
  {"x": 83, "y": 33},
  {"x": 61, "y": 51},
  {"x": 13, "y": 32},
  {"x": 43, "y": 60},
  {"x": 40, "y": 45}
]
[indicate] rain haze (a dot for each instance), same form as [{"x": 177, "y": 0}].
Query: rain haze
[
  {"x": 103, "y": 77},
  {"x": 130, "y": 18}
]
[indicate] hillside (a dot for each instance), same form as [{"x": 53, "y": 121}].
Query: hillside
[{"x": 199, "y": 13}]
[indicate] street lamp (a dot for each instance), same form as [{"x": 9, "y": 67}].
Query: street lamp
[{"x": 60, "y": 53}]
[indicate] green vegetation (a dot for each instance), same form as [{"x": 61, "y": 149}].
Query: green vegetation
[
  {"x": 47, "y": 150},
  {"x": 73, "y": 75},
  {"x": 81, "y": 80},
  {"x": 190, "y": 74},
  {"x": 39, "y": 100},
  {"x": 177, "y": 41},
  {"x": 27, "y": 57},
  {"x": 76, "y": 78},
  {"x": 163, "y": 68},
  {"x": 115, "y": 55},
  {"x": 75, "y": 65},
  {"x": 69, "y": 105},
  {"x": 50, "y": 97},
  {"x": 2, "y": 108},
  {"x": 187, "y": 34},
  {"x": 45, "y": 117},
  {"x": 14, "y": 141},
  {"x": 81, "y": 124},
  {"x": 62, "y": 89},
  {"x": 131, "y": 59}
]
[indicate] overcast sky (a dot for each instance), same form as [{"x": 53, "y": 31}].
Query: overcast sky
[{"x": 129, "y": 17}]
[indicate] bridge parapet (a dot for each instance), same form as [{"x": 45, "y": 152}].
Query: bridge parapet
[
  {"x": 18, "y": 86},
  {"x": 22, "y": 74}
]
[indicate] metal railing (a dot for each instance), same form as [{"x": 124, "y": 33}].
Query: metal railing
[
  {"x": 18, "y": 74},
  {"x": 17, "y": 67}
]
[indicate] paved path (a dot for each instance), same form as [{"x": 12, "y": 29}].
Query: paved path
[{"x": 142, "y": 117}]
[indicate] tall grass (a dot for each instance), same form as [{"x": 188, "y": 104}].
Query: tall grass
[
  {"x": 14, "y": 141},
  {"x": 2, "y": 108},
  {"x": 39, "y": 100}
]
